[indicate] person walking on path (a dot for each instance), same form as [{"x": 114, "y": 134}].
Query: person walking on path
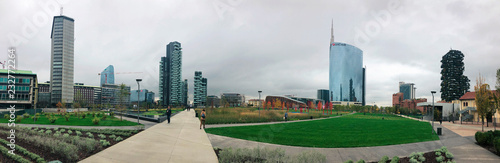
[
  {"x": 202, "y": 119},
  {"x": 169, "y": 113},
  {"x": 286, "y": 116}
]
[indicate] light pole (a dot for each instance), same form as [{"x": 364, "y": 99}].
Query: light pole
[
  {"x": 432, "y": 92},
  {"x": 260, "y": 103},
  {"x": 138, "y": 98},
  {"x": 35, "y": 93}
]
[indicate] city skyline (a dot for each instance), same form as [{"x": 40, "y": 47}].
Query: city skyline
[{"x": 256, "y": 47}]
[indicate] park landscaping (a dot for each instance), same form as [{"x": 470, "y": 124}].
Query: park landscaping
[
  {"x": 71, "y": 119},
  {"x": 254, "y": 115},
  {"x": 489, "y": 140},
  {"x": 355, "y": 130},
  {"x": 161, "y": 111},
  {"x": 63, "y": 144}
]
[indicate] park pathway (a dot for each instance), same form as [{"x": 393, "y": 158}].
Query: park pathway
[
  {"x": 459, "y": 139},
  {"x": 180, "y": 141}
]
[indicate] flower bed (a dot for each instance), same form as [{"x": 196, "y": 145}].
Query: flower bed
[{"x": 63, "y": 144}]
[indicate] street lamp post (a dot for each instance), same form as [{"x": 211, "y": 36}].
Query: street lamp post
[
  {"x": 138, "y": 98},
  {"x": 432, "y": 92},
  {"x": 260, "y": 103}
]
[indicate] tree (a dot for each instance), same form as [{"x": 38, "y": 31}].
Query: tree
[
  {"x": 59, "y": 106},
  {"x": 454, "y": 84},
  {"x": 122, "y": 94},
  {"x": 483, "y": 98}
]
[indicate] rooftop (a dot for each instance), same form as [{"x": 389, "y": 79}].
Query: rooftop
[{"x": 23, "y": 72}]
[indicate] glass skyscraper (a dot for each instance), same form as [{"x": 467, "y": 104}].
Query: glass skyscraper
[
  {"x": 346, "y": 72},
  {"x": 62, "y": 60},
  {"x": 171, "y": 75},
  {"x": 108, "y": 75}
]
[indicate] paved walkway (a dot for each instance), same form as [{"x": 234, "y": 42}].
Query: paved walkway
[
  {"x": 179, "y": 141},
  {"x": 267, "y": 123},
  {"x": 459, "y": 139},
  {"x": 463, "y": 148}
]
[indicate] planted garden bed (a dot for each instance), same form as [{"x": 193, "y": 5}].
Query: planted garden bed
[{"x": 63, "y": 144}]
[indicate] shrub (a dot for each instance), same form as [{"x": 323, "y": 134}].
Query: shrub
[
  {"x": 48, "y": 131},
  {"x": 57, "y": 134},
  {"x": 6, "y": 116},
  {"x": 90, "y": 135},
  {"x": 438, "y": 153},
  {"x": 112, "y": 114},
  {"x": 70, "y": 132},
  {"x": 384, "y": 159},
  {"x": 104, "y": 117},
  {"x": 361, "y": 161},
  {"x": 102, "y": 136},
  {"x": 118, "y": 138},
  {"x": 489, "y": 137},
  {"x": 83, "y": 116},
  {"x": 496, "y": 144},
  {"x": 104, "y": 143},
  {"x": 449, "y": 155},
  {"x": 349, "y": 161},
  {"x": 37, "y": 114},
  {"x": 66, "y": 135},
  {"x": 41, "y": 131},
  {"x": 95, "y": 120},
  {"x": 440, "y": 159},
  {"x": 413, "y": 160},
  {"x": 395, "y": 159},
  {"x": 112, "y": 136},
  {"x": 66, "y": 117},
  {"x": 26, "y": 115},
  {"x": 78, "y": 133},
  {"x": 18, "y": 119},
  {"x": 52, "y": 119},
  {"x": 62, "y": 130}
]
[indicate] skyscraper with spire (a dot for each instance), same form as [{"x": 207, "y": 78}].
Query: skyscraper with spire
[
  {"x": 347, "y": 74},
  {"x": 62, "y": 60}
]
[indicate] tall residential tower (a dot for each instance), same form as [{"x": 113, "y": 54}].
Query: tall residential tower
[
  {"x": 200, "y": 90},
  {"x": 62, "y": 60},
  {"x": 171, "y": 75}
]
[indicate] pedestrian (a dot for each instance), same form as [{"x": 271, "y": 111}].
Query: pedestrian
[
  {"x": 169, "y": 113},
  {"x": 202, "y": 119},
  {"x": 286, "y": 116}
]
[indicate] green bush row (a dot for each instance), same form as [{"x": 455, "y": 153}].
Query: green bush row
[
  {"x": 268, "y": 155},
  {"x": 487, "y": 138},
  {"x": 117, "y": 132},
  {"x": 16, "y": 158},
  {"x": 31, "y": 155}
]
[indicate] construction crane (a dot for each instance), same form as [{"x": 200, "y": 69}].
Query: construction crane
[{"x": 116, "y": 73}]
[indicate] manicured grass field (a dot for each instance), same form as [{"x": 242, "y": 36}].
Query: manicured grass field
[
  {"x": 355, "y": 130},
  {"x": 75, "y": 121}
]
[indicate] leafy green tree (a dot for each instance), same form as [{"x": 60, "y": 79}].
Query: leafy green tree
[
  {"x": 122, "y": 94},
  {"x": 454, "y": 84},
  {"x": 483, "y": 99}
]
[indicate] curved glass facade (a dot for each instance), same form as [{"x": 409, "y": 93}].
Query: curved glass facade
[
  {"x": 108, "y": 75},
  {"x": 346, "y": 73}
]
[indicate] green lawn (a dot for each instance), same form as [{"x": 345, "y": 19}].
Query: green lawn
[
  {"x": 74, "y": 121},
  {"x": 355, "y": 130}
]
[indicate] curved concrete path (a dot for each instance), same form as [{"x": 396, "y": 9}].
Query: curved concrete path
[
  {"x": 463, "y": 148},
  {"x": 180, "y": 141}
]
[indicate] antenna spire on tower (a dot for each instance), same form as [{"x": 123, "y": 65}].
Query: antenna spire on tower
[
  {"x": 61, "y": 11},
  {"x": 332, "y": 38}
]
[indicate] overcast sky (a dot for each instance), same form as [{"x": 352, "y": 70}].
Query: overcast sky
[{"x": 278, "y": 47}]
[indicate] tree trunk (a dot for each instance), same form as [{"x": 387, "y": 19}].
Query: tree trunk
[{"x": 482, "y": 126}]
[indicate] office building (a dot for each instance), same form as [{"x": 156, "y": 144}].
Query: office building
[
  {"x": 43, "y": 100},
  {"x": 324, "y": 95},
  {"x": 24, "y": 95},
  {"x": 346, "y": 82},
  {"x": 171, "y": 76},
  {"x": 62, "y": 60},
  {"x": 108, "y": 75},
  {"x": 110, "y": 95},
  {"x": 232, "y": 99},
  {"x": 255, "y": 103},
  {"x": 85, "y": 95},
  {"x": 408, "y": 89},
  {"x": 213, "y": 101}
]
